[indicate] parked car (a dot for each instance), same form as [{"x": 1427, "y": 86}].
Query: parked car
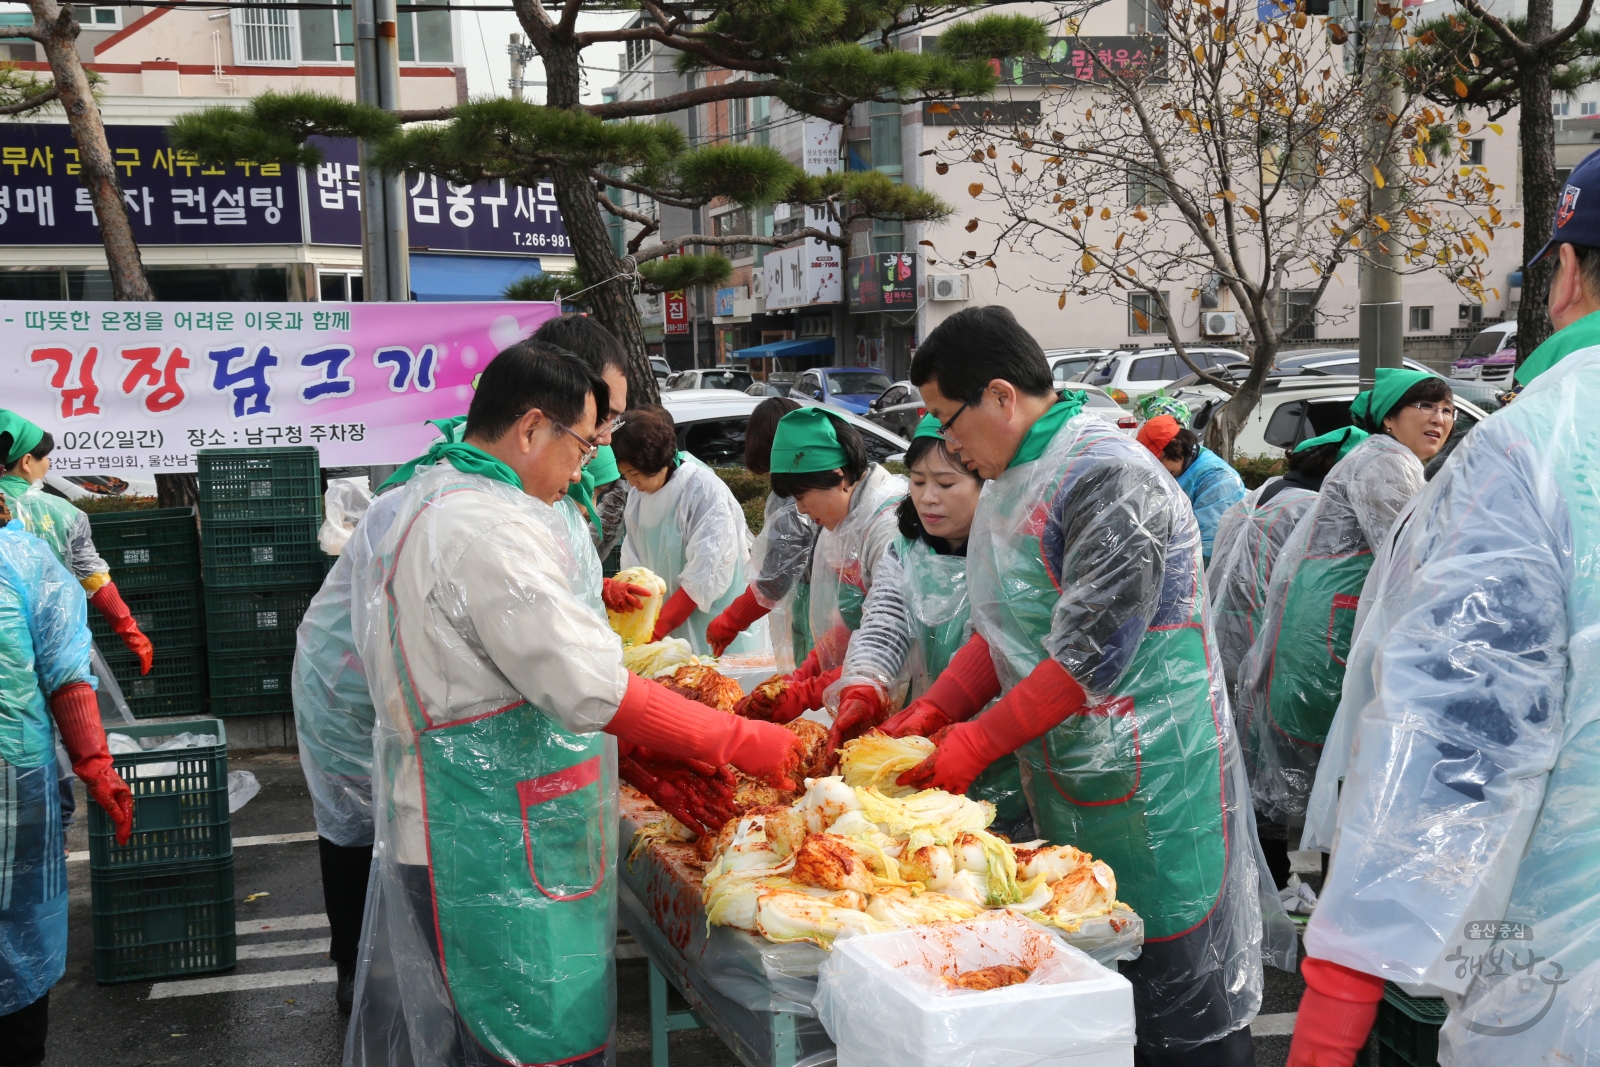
[
  {"x": 1071, "y": 364},
  {"x": 1491, "y": 356},
  {"x": 898, "y": 408},
  {"x": 778, "y": 383},
  {"x": 711, "y": 426},
  {"x": 712, "y": 378},
  {"x": 1294, "y": 409},
  {"x": 1324, "y": 361},
  {"x": 851, "y": 388},
  {"x": 662, "y": 369},
  {"x": 81, "y": 486},
  {"x": 1128, "y": 375}
]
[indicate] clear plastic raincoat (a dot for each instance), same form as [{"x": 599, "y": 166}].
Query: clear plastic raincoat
[
  {"x": 845, "y": 562},
  {"x": 44, "y": 645},
  {"x": 1212, "y": 486},
  {"x": 492, "y": 913},
  {"x": 780, "y": 561},
  {"x": 333, "y": 710},
  {"x": 1465, "y": 852},
  {"x": 1250, "y": 537},
  {"x": 1085, "y": 550},
  {"x": 60, "y": 524},
  {"x": 1289, "y": 685},
  {"x": 692, "y": 533}
]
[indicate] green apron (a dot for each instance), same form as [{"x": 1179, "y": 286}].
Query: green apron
[
  {"x": 520, "y": 821},
  {"x": 938, "y": 611},
  {"x": 1307, "y": 668},
  {"x": 1135, "y": 779}
]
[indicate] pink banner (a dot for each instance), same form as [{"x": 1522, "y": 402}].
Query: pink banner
[{"x": 135, "y": 388}]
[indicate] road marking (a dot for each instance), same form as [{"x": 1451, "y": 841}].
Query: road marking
[
  {"x": 1273, "y": 1025},
  {"x": 238, "y": 842},
  {"x": 315, "y": 945},
  {"x": 282, "y": 922},
  {"x": 234, "y": 983}
]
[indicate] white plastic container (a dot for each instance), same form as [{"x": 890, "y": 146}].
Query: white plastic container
[{"x": 884, "y": 1000}]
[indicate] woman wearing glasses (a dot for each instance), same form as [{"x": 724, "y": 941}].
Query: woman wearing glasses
[
  {"x": 684, "y": 524},
  {"x": 1291, "y": 678}
]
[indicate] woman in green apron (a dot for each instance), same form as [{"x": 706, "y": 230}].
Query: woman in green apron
[
  {"x": 820, "y": 462},
  {"x": 917, "y": 616},
  {"x": 684, "y": 524},
  {"x": 780, "y": 559},
  {"x": 1085, "y": 579},
  {"x": 1290, "y": 682}
]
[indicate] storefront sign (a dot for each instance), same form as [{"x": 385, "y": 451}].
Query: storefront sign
[
  {"x": 808, "y": 273},
  {"x": 725, "y": 299},
  {"x": 675, "y": 312},
  {"x": 821, "y": 141},
  {"x": 141, "y": 387},
  {"x": 883, "y": 282},
  {"x": 1082, "y": 59},
  {"x": 172, "y": 198},
  {"x": 441, "y": 216}
]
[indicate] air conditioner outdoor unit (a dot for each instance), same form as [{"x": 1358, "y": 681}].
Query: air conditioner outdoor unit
[
  {"x": 1219, "y": 323},
  {"x": 758, "y": 284},
  {"x": 948, "y": 287}
]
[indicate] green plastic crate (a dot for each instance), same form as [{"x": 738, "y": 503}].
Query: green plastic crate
[
  {"x": 260, "y": 553},
  {"x": 171, "y": 617},
  {"x": 180, "y": 801},
  {"x": 176, "y": 684},
  {"x": 260, "y": 483},
  {"x": 163, "y": 922},
  {"x": 255, "y": 620},
  {"x": 251, "y": 685},
  {"x": 148, "y": 549},
  {"x": 1406, "y": 1033}
]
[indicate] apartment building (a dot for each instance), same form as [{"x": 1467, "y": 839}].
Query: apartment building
[{"x": 243, "y": 231}]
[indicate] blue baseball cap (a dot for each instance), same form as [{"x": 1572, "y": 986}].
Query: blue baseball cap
[{"x": 1577, "y": 209}]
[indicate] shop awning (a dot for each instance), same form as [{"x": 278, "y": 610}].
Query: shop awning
[
  {"x": 436, "y": 277},
  {"x": 805, "y": 346}
]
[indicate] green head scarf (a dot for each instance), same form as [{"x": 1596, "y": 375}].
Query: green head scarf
[
  {"x": 1370, "y": 408},
  {"x": 1159, "y": 403},
  {"x": 928, "y": 427},
  {"x": 25, "y": 436},
  {"x": 1350, "y": 436},
  {"x": 602, "y": 469},
  {"x": 806, "y": 443}
]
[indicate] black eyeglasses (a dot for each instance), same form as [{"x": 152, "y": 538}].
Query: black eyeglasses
[{"x": 944, "y": 427}]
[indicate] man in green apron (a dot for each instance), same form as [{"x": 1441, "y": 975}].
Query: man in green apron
[
  {"x": 1084, "y": 574},
  {"x": 493, "y": 909}
]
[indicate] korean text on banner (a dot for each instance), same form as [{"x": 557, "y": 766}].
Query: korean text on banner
[{"x": 142, "y": 387}]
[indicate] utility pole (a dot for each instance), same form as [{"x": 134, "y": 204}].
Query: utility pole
[
  {"x": 1381, "y": 329},
  {"x": 385, "y": 251},
  {"x": 520, "y": 54}
]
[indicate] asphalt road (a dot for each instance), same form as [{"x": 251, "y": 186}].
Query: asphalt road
[{"x": 297, "y": 1025}]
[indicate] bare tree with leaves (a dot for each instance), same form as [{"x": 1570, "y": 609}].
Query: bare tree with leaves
[
  {"x": 1480, "y": 60},
  {"x": 1234, "y": 157},
  {"x": 56, "y": 31}
]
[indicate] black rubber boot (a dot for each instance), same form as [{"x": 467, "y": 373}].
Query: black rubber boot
[{"x": 345, "y": 991}]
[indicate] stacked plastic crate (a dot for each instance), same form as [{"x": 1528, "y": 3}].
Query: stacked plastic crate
[
  {"x": 155, "y": 560},
  {"x": 260, "y": 509},
  {"x": 163, "y": 902}
]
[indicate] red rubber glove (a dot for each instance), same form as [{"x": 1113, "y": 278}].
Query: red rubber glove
[
  {"x": 622, "y": 597},
  {"x": 859, "y": 709},
  {"x": 77, "y": 716},
  {"x": 794, "y": 697},
  {"x": 674, "y": 613},
  {"x": 966, "y": 684},
  {"x": 1034, "y": 706},
  {"x": 736, "y": 618},
  {"x": 809, "y": 667},
  {"x": 1336, "y": 1014},
  {"x": 109, "y": 603},
  {"x": 670, "y": 725},
  {"x": 696, "y": 794}
]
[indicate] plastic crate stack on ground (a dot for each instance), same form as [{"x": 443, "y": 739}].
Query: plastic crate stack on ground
[
  {"x": 1406, "y": 1033},
  {"x": 163, "y": 903},
  {"x": 155, "y": 560},
  {"x": 260, "y": 509}
]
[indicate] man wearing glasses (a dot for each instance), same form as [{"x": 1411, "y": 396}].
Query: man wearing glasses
[
  {"x": 491, "y": 922},
  {"x": 1084, "y": 573}
]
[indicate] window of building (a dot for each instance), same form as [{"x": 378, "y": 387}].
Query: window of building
[
  {"x": 885, "y": 123},
  {"x": 1146, "y": 190},
  {"x": 738, "y": 120},
  {"x": 729, "y": 223},
  {"x": 1421, "y": 319},
  {"x": 888, "y": 235},
  {"x": 276, "y": 35},
  {"x": 98, "y": 18},
  {"x": 1144, "y": 314},
  {"x": 1588, "y": 107},
  {"x": 1561, "y": 109},
  {"x": 326, "y": 36},
  {"x": 1470, "y": 314},
  {"x": 264, "y": 35},
  {"x": 337, "y": 287},
  {"x": 637, "y": 52},
  {"x": 761, "y": 120},
  {"x": 1146, "y": 16},
  {"x": 1472, "y": 151},
  {"x": 1290, "y": 308},
  {"x": 425, "y": 35}
]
